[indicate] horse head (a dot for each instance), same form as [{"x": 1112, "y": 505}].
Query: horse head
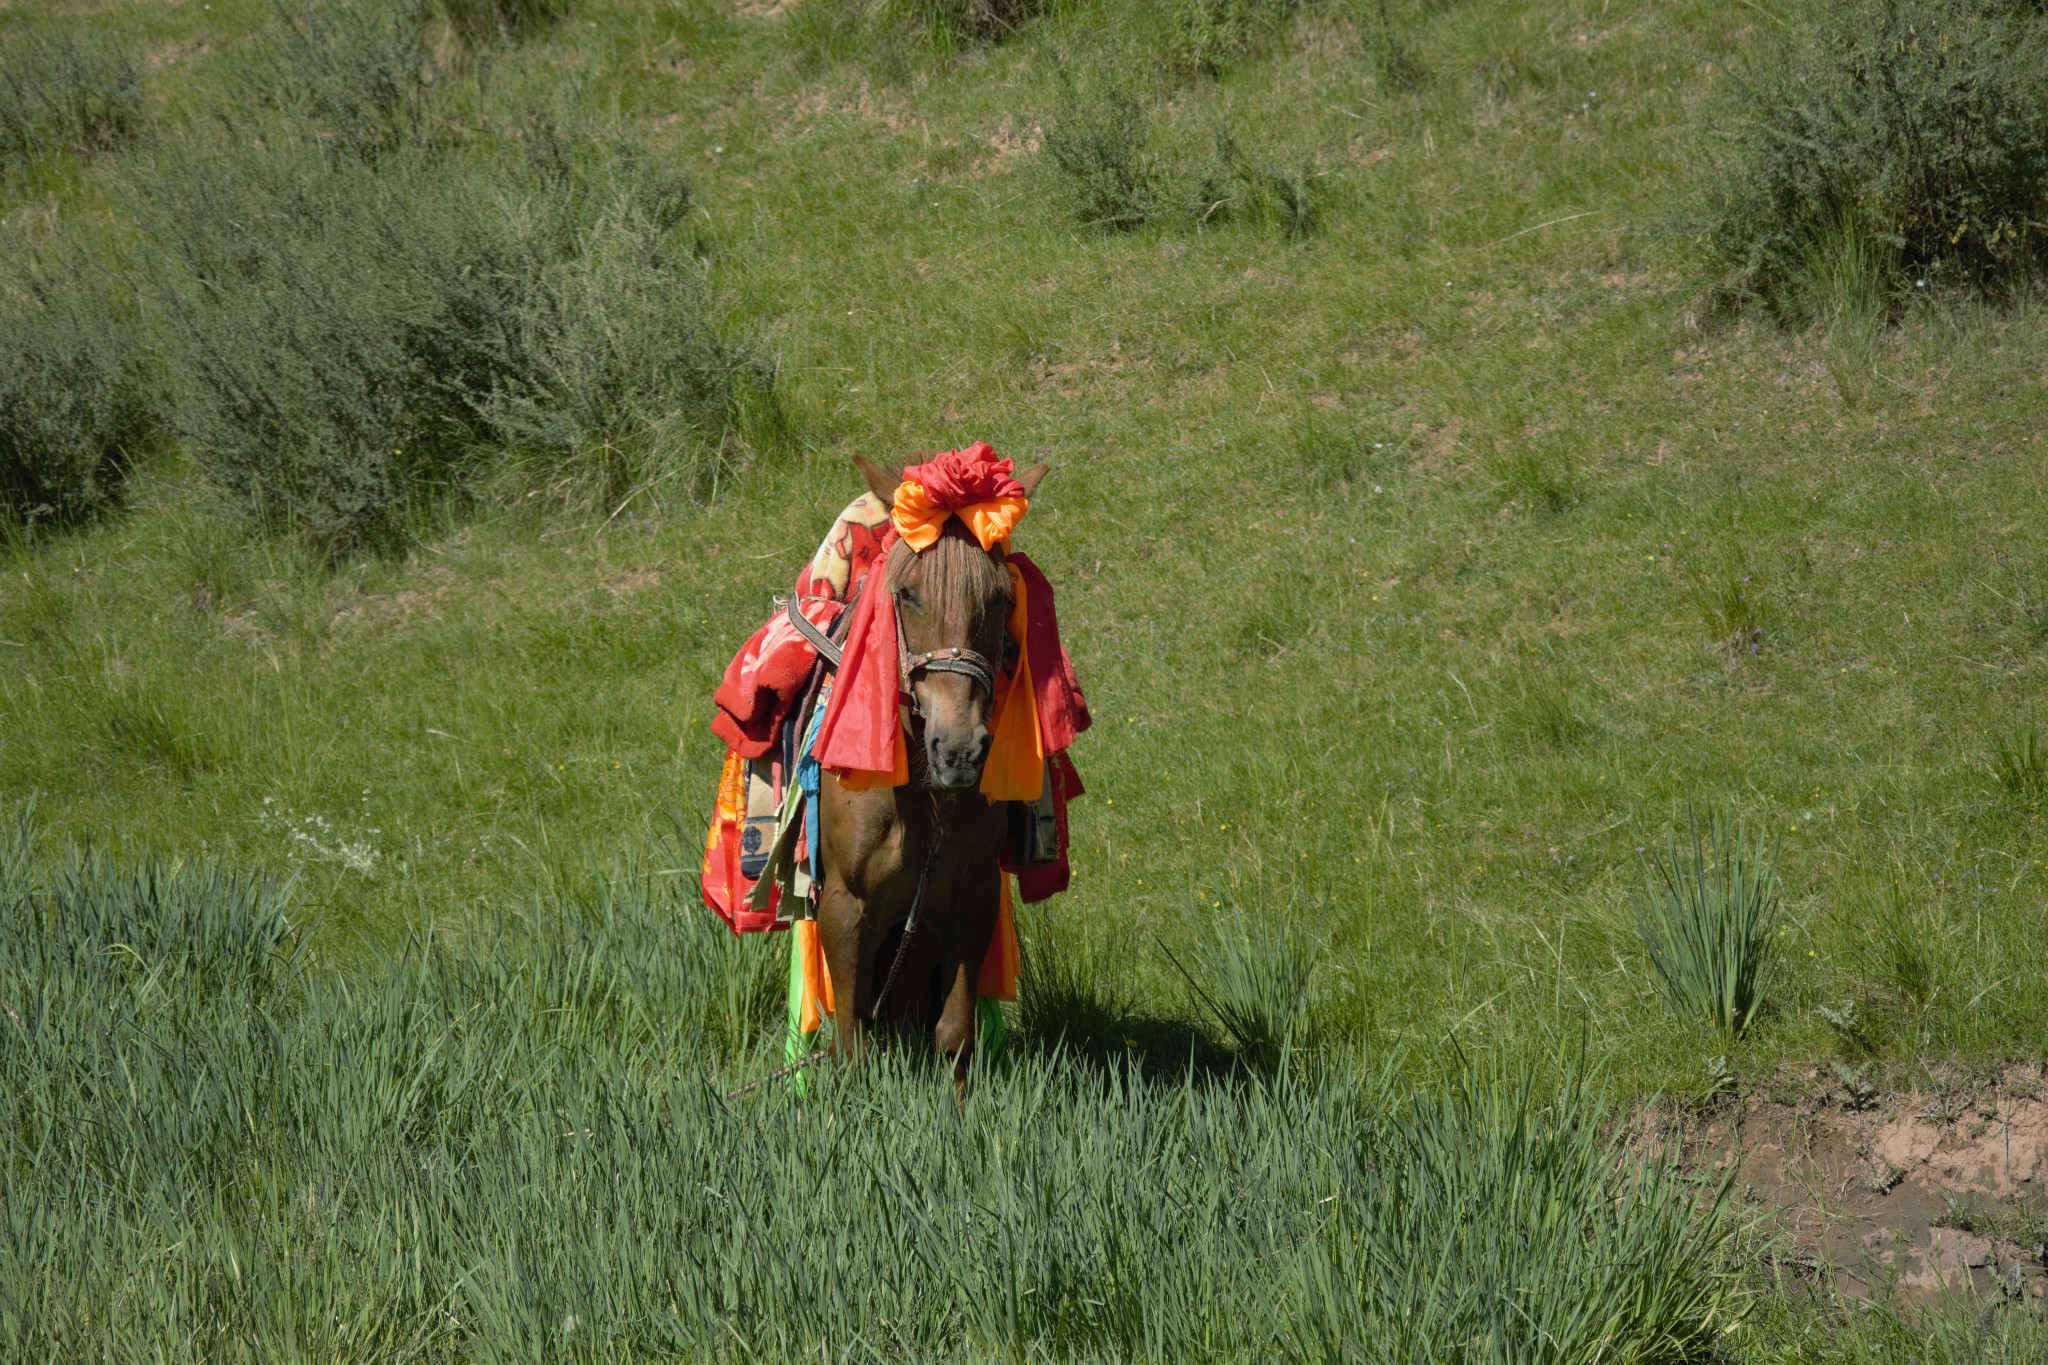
[{"x": 952, "y": 603}]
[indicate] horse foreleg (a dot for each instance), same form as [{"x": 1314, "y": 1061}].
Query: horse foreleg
[
  {"x": 842, "y": 921},
  {"x": 955, "y": 1032},
  {"x": 960, "y": 973}
]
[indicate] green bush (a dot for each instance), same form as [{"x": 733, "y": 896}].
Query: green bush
[
  {"x": 355, "y": 76},
  {"x": 1102, "y": 154},
  {"x": 1918, "y": 128},
  {"x": 356, "y": 339},
  {"x": 65, "y": 94},
  {"x": 78, "y": 399}
]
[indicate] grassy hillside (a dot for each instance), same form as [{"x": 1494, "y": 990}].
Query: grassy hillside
[{"x": 1430, "y": 533}]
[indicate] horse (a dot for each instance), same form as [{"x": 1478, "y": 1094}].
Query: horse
[{"x": 934, "y": 841}]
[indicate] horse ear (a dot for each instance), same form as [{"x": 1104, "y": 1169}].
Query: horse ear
[
  {"x": 880, "y": 481},
  {"x": 1031, "y": 477}
]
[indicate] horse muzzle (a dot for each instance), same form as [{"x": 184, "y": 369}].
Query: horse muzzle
[{"x": 953, "y": 764}]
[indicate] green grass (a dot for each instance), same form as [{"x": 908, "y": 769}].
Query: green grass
[
  {"x": 523, "y": 1150},
  {"x": 1707, "y": 915},
  {"x": 1420, "y": 569}
]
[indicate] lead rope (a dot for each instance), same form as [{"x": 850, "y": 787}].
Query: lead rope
[{"x": 924, "y": 878}]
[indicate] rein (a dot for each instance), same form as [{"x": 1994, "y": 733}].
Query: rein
[{"x": 910, "y": 922}]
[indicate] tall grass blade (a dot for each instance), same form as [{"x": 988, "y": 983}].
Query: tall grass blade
[{"x": 1705, "y": 916}]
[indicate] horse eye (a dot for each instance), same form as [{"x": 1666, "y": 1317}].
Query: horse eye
[{"x": 907, "y": 598}]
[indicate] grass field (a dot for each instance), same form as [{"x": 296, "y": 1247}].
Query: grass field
[{"x": 1429, "y": 540}]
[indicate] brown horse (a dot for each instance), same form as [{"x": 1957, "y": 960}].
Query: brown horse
[{"x": 878, "y": 844}]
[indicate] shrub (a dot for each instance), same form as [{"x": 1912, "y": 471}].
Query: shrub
[
  {"x": 1705, "y": 918},
  {"x": 356, "y": 339},
  {"x": 78, "y": 401},
  {"x": 844, "y": 30},
  {"x": 65, "y": 94},
  {"x": 352, "y": 75},
  {"x": 1101, "y": 153},
  {"x": 1916, "y": 127}
]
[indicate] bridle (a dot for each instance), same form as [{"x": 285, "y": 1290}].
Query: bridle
[{"x": 952, "y": 659}]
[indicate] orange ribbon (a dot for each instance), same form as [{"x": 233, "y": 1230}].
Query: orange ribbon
[
  {"x": 919, "y": 519},
  {"x": 1015, "y": 767}
]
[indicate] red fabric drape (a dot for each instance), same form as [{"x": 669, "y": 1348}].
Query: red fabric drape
[
  {"x": 859, "y": 733},
  {"x": 1062, "y": 710}
]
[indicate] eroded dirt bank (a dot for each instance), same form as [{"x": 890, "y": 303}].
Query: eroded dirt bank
[{"x": 1907, "y": 1193}]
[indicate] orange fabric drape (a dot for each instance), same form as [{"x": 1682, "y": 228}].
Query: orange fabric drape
[
  {"x": 919, "y": 519},
  {"x": 1015, "y": 770},
  {"x": 817, "y": 977},
  {"x": 999, "y": 967}
]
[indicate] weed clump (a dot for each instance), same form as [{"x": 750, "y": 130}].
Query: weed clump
[
  {"x": 1542, "y": 481},
  {"x": 1102, "y": 153},
  {"x": 1735, "y": 609},
  {"x": 2019, "y": 763},
  {"x": 65, "y": 94},
  {"x": 356, "y": 339},
  {"x": 895, "y": 30},
  {"x": 1705, "y": 918},
  {"x": 79, "y": 401},
  {"x": 1255, "y": 976},
  {"x": 1912, "y": 133}
]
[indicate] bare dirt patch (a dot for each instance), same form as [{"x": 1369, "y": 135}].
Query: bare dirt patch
[
  {"x": 633, "y": 580},
  {"x": 1901, "y": 1194}
]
